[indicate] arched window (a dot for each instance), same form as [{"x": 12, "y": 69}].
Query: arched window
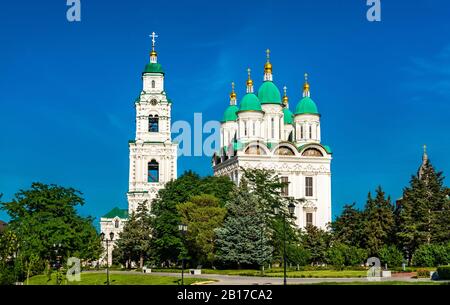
[
  {"x": 290, "y": 136},
  {"x": 310, "y": 131},
  {"x": 284, "y": 151},
  {"x": 245, "y": 128},
  {"x": 116, "y": 223},
  {"x": 301, "y": 132},
  {"x": 153, "y": 123},
  {"x": 153, "y": 171},
  {"x": 153, "y": 84},
  {"x": 312, "y": 152},
  {"x": 273, "y": 128},
  {"x": 254, "y": 128}
]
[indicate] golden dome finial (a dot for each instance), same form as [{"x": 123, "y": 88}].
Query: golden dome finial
[
  {"x": 153, "y": 52},
  {"x": 232, "y": 94},
  {"x": 249, "y": 80},
  {"x": 268, "y": 65},
  {"x": 306, "y": 85},
  {"x": 285, "y": 97}
]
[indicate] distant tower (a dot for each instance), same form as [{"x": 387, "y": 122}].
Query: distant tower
[{"x": 153, "y": 156}]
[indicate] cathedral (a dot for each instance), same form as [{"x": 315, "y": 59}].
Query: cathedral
[
  {"x": 153, "y": 155},
  {"x": 258, "y": 132},
  {"x": 262, "y": 132}
]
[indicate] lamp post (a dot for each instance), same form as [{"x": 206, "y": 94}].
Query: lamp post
[
  {"x": 56, "y": 248},
  {"x": 291, "y": 210},
  {"x": 183, "y": 229},
  {"x": 107, "y": 241}
]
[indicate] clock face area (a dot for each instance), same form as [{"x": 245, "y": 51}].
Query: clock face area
[{"x": 153, "y": 102}]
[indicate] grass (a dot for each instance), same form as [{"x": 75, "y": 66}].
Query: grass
[
  {"x": 115, "y": 279},
  {"x": 278, "y": 272},
  {"x": 382, "y": 283}
]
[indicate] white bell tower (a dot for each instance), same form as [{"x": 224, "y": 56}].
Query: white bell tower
[{"x": 153, "y": 156}]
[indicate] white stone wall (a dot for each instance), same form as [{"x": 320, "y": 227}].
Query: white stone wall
[
  {"x": 107, "y": 225},
  {"x": 296, "y": 168}
]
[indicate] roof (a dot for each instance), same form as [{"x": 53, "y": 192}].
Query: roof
[
  {"x": 153, "y": 68},
  {"x": 306, "y": 106},
  {"x": 288, "y": 116},
  {"x": 250, "y": 102},
  {"x": 230, "y": 113},
  {"x": 268, "y": 93},
  {"x": 116, "y": 212}
]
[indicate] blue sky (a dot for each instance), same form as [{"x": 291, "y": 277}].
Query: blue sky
[{"x": 67, "y": 89}]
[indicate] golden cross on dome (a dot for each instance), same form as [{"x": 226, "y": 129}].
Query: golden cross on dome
[
  {"x": 268, "y": 55},
  {"x": 249, "y": 72},
  {"x": 285, "y": 90},
  {"x": 425, "y": 148},
  {"x": 306, "y": 77},
  {"x": 232, "y": 86}
]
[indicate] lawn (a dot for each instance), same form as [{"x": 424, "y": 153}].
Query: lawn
[
  {"x": 388, "y": 283},
  {"x": 278, "y": 272},
  {"x": 115, "y": 279}
]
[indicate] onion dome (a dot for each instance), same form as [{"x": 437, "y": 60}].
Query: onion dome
[
  {"x": 250, "y": 101},
  {"x": 287, "y": 114},
  {"x": 153, "y": 66},
  {"x": 230, "y": 112},
  {"x": 268, "y": 93},
  {"x": 306, "y": 105}
]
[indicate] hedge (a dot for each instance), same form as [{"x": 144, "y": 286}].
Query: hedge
[{"x": 444, "y": 272}]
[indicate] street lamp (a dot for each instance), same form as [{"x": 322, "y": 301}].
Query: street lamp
[
  {"x": 183, "y": 229},
  {"x": 57, "y": 265},
  {"x": 291, "y": 210},
  {"x": 107, "y": 241}
]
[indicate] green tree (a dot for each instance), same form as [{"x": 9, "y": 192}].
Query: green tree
[
  {"x": 242, "y": 239},
  {"x": 167, "y": 242},
  {"x": 267, "y": 187},
  {"x": 316, "y": 241},
  {"x": 134, "y": 241},
  {"x": 379, "y": 222},
  {"x": 45, "y": 215},
  {"x": 348, "y": 228},
  {"x": 390, "y": 255},
  {"x": 202, "y": 214},
  {"x": 424, "y": 214}
]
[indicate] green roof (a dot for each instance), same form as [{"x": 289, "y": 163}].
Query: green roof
[
  {"x": 230, "y": 113},
  {"x": 250, "y": 102},
  {"x": 153, "y": 68},
  {"x": 116, "y": 212},
  {"x": 268, "y": 93},
  {"x": 328, "y": 149},
  {"x": 306, "y": 106},
  {"x": 288, "y": 116}
]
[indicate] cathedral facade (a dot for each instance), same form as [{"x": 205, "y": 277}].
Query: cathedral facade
[{"x": 262, "y": 132}]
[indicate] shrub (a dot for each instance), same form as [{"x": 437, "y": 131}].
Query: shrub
[
  {"x": 297, "y": 255},
  {"x": 340, "y": 255},
  {"x": 423, "y": 273},
  {"x": 391, "y": 256},
  {"x": 431, "y": 255},
  {"x": 444, "y": 272}
]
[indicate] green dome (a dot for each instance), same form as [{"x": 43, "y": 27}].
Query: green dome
[
  {"x": 250, "y": 102},
  {"x": 268, "y": 93},
  {"x": 288, "y": 116},
  {"x": 306, "y": 106},
  {"x": 230, "y": 113},
  {"x": 153, "y": 68}
]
